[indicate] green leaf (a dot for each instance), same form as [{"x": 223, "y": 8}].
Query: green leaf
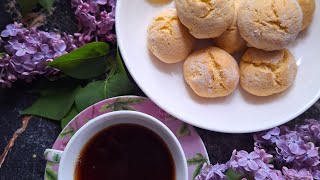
[
  {"x": 71, "y": 114},
  {"x": 199, "y": 161},
  {"x": 2, "y": 53},
  {"x": 120, "y": 67},
  {"x": 131, "y": 101},
  {"x": 184, "y": 130},
  {"x": 128, "y": 108},
  {"x": 51, "y": 175},
  {"x": 117, "y": 85},
  {"x": 54, "y": 106},
  {"x": 121, "y": 102},
  {"x": 89, "y": 95},
  {"x": 51, "y": 163},
  {"x": 87, "y": 62},
  {"x": 27, "y": 5},
  {"x": 67, "y": 131},
  {"x": 197, "y": 170},
  {"x": 56, "y": 158},
  {"x": 199, "y": 158},
  {"x": 47, "y": 4},
  {"x": 232, "y": 175},
  {"x": 106, "y": 107}
]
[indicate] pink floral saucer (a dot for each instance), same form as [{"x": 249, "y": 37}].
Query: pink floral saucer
[{"x": 191, "y": 142}]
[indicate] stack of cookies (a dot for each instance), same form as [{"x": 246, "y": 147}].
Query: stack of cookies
[{"x": 262, "y": 29}]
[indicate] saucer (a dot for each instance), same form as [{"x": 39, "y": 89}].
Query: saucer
[{"x": 194, "y": 149}]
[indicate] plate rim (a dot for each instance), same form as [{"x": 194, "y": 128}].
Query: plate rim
[{"x": 276, "y": 123}]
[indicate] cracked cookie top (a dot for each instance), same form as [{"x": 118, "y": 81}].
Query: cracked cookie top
[
  {"x": 211, "y": 72},
  {"x": 270, "y": 24},
  {"x": 168, "y": 39},
  {"x": 263, "y": 73},
  {"x": 206, "y": 18}
]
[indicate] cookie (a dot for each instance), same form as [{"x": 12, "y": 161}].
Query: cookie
[
  {"x": 269, "y": 24},
  {"x": 231, "y": 40},
  {"x": 264, "y": 73},
  {"x": 308, "y": 8},
  {"x": 205, "y": 19},
  {"x": 211, "y": 72},
  {"x": 168, "y": 39}
]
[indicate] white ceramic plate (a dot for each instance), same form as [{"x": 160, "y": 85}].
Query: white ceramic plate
[{"x": 238, "y": 113}]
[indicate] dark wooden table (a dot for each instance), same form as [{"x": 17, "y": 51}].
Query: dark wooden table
[{"x": 25, "y": 160}]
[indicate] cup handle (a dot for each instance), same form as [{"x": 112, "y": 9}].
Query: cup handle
[{"x": 53, "y": 155}]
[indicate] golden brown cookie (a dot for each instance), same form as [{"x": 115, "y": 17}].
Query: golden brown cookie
[
  {"x": 211, "y": 72},
  {"x": 168, "y": 39},
  {"x": 269, "y": 24},
  {"x": 263, "y": 73},
  {"x": 205, "y": 18},
  {"x": 231, "y": 40},
  {"x": 308, "y": 8}
]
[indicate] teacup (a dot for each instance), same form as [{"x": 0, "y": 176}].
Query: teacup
[{"x": 69, "y": 157}]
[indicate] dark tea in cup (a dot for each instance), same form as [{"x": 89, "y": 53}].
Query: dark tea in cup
[{"x": 123, "y": 152}]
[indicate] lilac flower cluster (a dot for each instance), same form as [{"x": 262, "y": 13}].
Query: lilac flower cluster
[
  {"x": 310, "y": 131},
  {"x": 212, "y": 172},
  {"x": 27, "y": 52},
  {"x": 96, "y": 20},
  {"x": 294, "y": 148},
  {"x": 254, "y": 164},
  {"x": 294, "y": 174},
  {"x": 293, "y": 151}
]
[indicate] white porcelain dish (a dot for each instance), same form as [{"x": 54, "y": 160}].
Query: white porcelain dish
[{"x": 238, "y": 113}]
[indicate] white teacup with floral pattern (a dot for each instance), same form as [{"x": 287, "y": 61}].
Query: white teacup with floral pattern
[{"x": 68, "y": 158}]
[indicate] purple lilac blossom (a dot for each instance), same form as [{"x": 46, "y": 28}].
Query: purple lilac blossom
[
  {"x": 244, "y": 161},
  {"x": 23, "y": 49},
  {"x": 310, "y": 158},
  {"x": 44, "y": 53},
  {"x": 272, "y": 135},
  {"x": 240, "y": 161},
  {"x": 11, "y": 30},
  {"x": 96, "y": 20},
  {"x": 310, "y": 131},
  {"x": 59, "y": 48},
  {"x": 293, "y": 150},
  {"x": 279, "y": 147},
  {"x": 315, "y": 171},
  {"x": 212, "y": 172},
  {"x": 268, "y": 174},
  {"x": 292, "y": 174},
  {"x": 291, "y": 147},
  {"x": 27, "y": 52}
]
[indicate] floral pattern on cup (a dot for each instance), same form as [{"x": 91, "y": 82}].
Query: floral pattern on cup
[{"x": 191, "y": 142}]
